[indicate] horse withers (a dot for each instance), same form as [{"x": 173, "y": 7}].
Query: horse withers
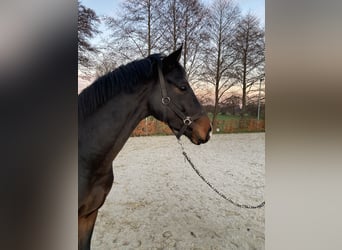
[{"x": 110, "y": 109}]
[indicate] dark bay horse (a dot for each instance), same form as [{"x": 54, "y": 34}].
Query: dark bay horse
[{"x": 110, "y": 109}]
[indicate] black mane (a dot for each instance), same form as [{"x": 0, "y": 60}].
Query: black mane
[{"x": 122, "y": 79}]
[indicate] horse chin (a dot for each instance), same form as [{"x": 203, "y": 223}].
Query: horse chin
[
  {"x": 187, "y": 134},
  {"x": 191, "y": 135},
  {"x": 194, "y": 138},
  {"x": 197, "y": 139}
]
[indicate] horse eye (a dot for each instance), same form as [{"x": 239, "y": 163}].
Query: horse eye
[{"x": 183, "y": 87}]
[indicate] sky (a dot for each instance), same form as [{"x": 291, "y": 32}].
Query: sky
[{"x": 108, "y": 7}]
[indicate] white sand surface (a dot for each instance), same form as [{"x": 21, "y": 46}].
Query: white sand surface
[{"x": 158, "y": 202}]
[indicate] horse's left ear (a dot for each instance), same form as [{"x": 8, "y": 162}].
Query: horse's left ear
[{"x": 171, "y": 60}]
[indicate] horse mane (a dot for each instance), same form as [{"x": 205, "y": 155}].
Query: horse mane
[{"x": 122, "y": 79}]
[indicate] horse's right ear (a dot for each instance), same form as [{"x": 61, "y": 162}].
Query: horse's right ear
[
  {"x": 176, "y": 55},
  {"x": 171, "y": 60}
]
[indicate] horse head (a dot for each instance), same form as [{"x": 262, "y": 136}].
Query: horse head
[{"x": 174, "y": 102}]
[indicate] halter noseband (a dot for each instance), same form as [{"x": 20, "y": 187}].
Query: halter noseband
[{"x": 166, "y": 100}]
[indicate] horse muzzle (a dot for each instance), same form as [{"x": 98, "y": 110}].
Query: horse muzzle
[{"x": 201, "y": 130}]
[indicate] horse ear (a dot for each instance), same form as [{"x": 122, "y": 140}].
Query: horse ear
[
  {"x": 171, "y": 60},
  {"x": 178, "y": 53}
]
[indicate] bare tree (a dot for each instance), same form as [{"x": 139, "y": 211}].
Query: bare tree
[
  {"x": 105, "y": 65},
  {"x": 219, "y": 59},
  {"x": 232, "y": 104},
  {"x": 135, "y": 31},
  {"x": 87, "y": 29},
  {"x": 183, "y": 22},
  {"x": 249, "y": 46}
]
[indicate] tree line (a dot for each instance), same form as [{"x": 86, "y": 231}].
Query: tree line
[{"x": 222, "y": 48}]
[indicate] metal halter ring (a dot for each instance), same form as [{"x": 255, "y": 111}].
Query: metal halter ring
[
  {"x": 187, "y": 121},
  {"x": 166, "y": 100}
]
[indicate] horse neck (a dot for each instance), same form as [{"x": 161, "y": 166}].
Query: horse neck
[{"x": 105, "y": 132}]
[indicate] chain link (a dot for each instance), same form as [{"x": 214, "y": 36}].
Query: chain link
[{"x": 187, "y": 158}]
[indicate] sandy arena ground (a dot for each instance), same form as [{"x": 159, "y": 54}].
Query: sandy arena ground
[{"x": 158, "y": 202}]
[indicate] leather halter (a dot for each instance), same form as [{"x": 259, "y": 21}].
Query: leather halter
[{"x": 166, "y": 100}]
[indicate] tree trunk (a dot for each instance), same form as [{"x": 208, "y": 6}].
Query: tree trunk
[
  {"x": 244, "y": 85},
  {"x": 174, "y": 26},
  {"x": 185, "y": 47},
  {"x": 218, "y": 76},
  {"x": 216, "y": 107},
  {"x": 149, "y": 28}
]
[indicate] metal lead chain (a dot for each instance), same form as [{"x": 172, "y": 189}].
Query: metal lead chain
[
  {"x": 182, "y": 148},
  {"x": 186, "y": 158}
]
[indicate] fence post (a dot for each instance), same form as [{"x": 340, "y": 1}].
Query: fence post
[{"x": 259, "y": 99}]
